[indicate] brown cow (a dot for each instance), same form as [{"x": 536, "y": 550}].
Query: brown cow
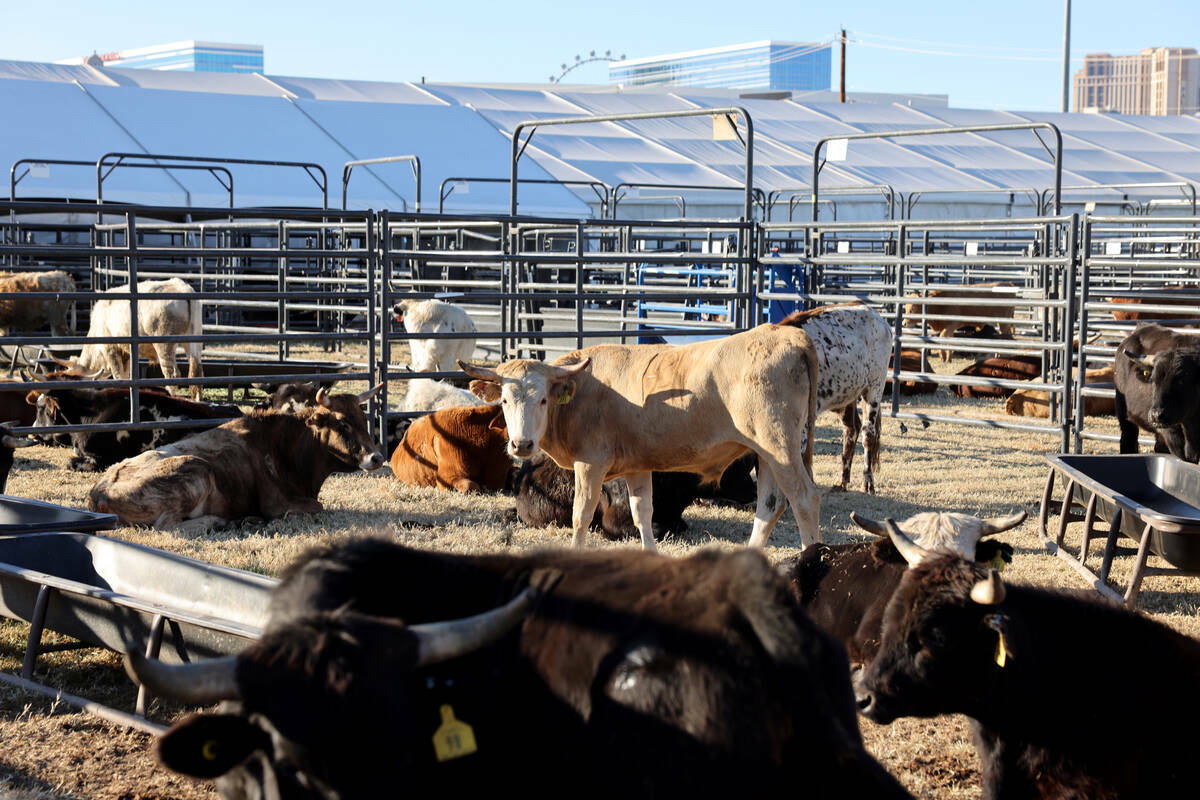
[
  {"x": 264, "y": 464},
  {"x": 1150, "y": 299},
  {"x": 18, "y": 313},
  {"x": 1011, "y": 368},
  {"x": 460, "y": 448},
  {"x": 910, "y": 361},
  {"x": 950, "y": 312},
  {"x": 1036, "y": 402},
  {"x": 693, "y": 408}
]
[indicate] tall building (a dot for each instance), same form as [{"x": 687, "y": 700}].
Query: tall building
[
  {"x": 1158, "y": 81},
  {"x": 755, "y": 65},
  {"x": 189, "y": 56}
]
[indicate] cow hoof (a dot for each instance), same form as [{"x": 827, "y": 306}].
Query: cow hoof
[{"x": 838, "y": 487}]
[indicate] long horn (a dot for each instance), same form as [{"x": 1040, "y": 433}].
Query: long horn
[
  {"x": 441, "y": 641},
  {"x": 14, "y": 442},
  {"x": 365, "y": 396},
  {"x": 575, "y": 369},
  {"x": 998, "y": 524},
  {"x": 989, "y": 591},
  {"x": 323, "y": 397},
  {"x": 479, "y": 373},
  {"x": 912, "y": 552},
  {"x": 203, "y": 683},
  {"x": 869, "y": 525}
]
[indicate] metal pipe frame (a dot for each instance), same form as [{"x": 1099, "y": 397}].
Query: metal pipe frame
[
  {"x": 14, "y": 178},
  {"x": 890, "y": 195},
  {"x": 1035, "y": 197},
  {"x": 603, "y": 190},
  {"x": 518, "y": 146},
  {"x": 759, "y": 197},
  {"x": 817, "y": 163},
  {"x": 415, "y": 161},
  {"x": 1186, "y": 188}
]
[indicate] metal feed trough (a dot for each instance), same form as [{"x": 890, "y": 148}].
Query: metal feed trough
[
  {"x": 20, "y": 515},
  {"x": 1151, "y": 499}
]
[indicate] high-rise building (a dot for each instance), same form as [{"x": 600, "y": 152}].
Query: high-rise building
[
  {"x": 755, "y": 65},
  {"x": 1158, "y": 81},
  {"x": 189, "y": 56}
]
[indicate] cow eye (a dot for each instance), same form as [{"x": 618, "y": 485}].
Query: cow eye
[
  {"x": 504, "y": 402},
  {"x": 543, "y": 401}
]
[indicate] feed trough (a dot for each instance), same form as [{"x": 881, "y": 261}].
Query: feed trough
[
  {"x": 19, "y": 515},
  {"x": 1152, "y": 499}
]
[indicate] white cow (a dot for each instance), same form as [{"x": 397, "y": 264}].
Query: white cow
[
  {"x": 155, "y": 318},
  {"x": 429, "y": 395},
  {"x": 944, "y": 531},
  {"x": 434, "y": 316}
]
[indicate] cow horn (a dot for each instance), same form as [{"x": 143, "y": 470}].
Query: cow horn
[
  {"x": 575, "y": 369},
  {"x": 62, "y": 362},
  {"x": 365, "y": 396},
  {"x": 442, "y": 641},
  {"x": 33, "y": 376},
  {"x": 869, "y": 525},
  {"x": 479, "y": 373},
  {"x": 998, "y": 524},
  {"x": 323, "y": 397},
  {"x": 912, "y": 552},
  {"x": 203, "y": 683},
  {"x": 1146, "y": 362},
  {"x": 14, "y": 442},
  {"x": 989, "y": 591}
]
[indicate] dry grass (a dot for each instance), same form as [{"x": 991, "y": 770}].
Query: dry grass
[{"x": 51, "y": 752}]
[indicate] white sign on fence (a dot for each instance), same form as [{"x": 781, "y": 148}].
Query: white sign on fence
[
  {"x": 1112, "y": 248},
  {"x": 836, "y": 149},
  {"x": 39, "y": 170}
]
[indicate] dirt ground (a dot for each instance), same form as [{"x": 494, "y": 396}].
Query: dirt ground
[{"x": 47, "y": 750}]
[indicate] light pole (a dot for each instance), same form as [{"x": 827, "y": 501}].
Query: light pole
[{"x": 1066, "y": 76}]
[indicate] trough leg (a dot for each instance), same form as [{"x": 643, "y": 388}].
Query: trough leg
[
  {"x": 1089, "y": 523},
  {"x": 152, "y": 648},
  {"x": 589, "y": 482},
  {"x": 1110, "y": 544},
  {"x": 1139, "y": 567},
  {"x": 36, "y": 625},
  {"x": 641, "y": 504}
]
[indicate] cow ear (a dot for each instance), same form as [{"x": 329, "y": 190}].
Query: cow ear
[
  {"x": 564, "y": 391},
  {"x": 32, "y": 398},
  {"x": 498, "y": 423},
  {"x": 208, "y": 745},
  {"x": 486, "y": 391}
]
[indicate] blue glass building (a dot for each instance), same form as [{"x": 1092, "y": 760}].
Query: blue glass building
[
  {"x": 754, "y": 65},
  {"x": 189, "y": 56}
]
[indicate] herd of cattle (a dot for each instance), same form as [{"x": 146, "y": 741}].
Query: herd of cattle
[{"x": 636, "y": 673}]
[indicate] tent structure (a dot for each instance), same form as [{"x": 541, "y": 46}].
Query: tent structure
[{"x": 461, "y": 133}]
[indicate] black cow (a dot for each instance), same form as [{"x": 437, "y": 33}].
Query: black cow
[
  {"x": 95, "y": 452},
  {"x": 1156, "y": 373},
  {"x": 638, "y": 676},
  {"x": 8, "y": 443},
  {"x": 1070, "y": 697},
  {"x": 546, "y": 494}
]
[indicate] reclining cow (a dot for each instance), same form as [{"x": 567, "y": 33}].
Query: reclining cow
[
  {"x": 462, "y": 449},
  {"x": 262, "y": 465},
  {"x": 965, "y": 314},
  {"x": 434, "y": 316},
  {"x": 693, "y": 408},
  {"x": 18, "y": 313},
  {"x": 1069, "y": 697},
  {"x": 854, "y": 346},
  {"x": 97, "y": 450},
  {"x": 635, "y": 676},
  {"x": 546, "y": 496},
  {"x": 1156, "y": 373},
  {"x": 156, "y": 318}
]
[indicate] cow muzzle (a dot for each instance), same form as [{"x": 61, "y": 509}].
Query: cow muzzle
[
  {"x": 373, "y": 461},
  {"x": 522, "y": 449},
  {"x": 870, "y": 707}
]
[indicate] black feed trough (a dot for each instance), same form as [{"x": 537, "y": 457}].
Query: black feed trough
[
  {"x": 19, "y": 515},
  {"x": 1151, "y": 499}
]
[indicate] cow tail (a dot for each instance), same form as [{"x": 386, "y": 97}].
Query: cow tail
[{"x": 810, "y": 355}]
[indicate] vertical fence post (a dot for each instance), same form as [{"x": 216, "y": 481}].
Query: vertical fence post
[
  {"x": 1068, "y": 327},
  {"x": 377, "y": 318},
  {"x": 383, "y": 252},
  {"x": 1085, "y": 250},
  {"x": 579, "y": 242},
  {"x": 281, "y": 287},
  {"x": 135, "y": 322},
  {"x": 898, "y": 320}
]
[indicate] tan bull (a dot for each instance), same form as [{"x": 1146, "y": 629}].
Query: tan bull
[{"x": 614, "y": 411}]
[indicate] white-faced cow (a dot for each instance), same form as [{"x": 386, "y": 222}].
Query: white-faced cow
[
  {"x": 853, "y": 345},
  {"x": 265, "y": 464},
  {"x": 155, "y": 318},
  {"x": 627, "y": 410},
  {"x": 1046, "y": 680},
  {"x": 1156, "y": 373},
  {"x": 21, "y": 314},
  {"x": 636, "y": 676},
  {"x": 434, "y": 316}
]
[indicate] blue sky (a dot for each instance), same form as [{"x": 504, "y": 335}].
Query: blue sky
[{"x": 984, "y": 55}]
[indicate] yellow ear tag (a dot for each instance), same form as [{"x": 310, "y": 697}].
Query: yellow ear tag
[
  {"x": 998, "y": 563},
  {"x": 564, "y": 398},
  {"x": 210, "y": 750},
  {"x": 1001, "y": 650},
  {"x": 453, "y": 739}
]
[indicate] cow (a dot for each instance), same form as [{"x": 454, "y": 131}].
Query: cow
[
  {"x": 1036, "y": 402},
  {"x": 1162, "y": 296},
  {"x": 910, "y": 361},
  {"x": 853, "y": 346},
  {"x": 459, "y": 448},
  {"x": 8, "y": 443},
  {"x": 263, "y": 465},
  {"x": 951, "y": 312},
  {"x": 1156, "y": 372},
  {"x": 155, "y": 318},
  {"x": 12, "y": 402},
  {"x": 425, "y": 395},
  {"x": 635, "y": 676},
  {"x": 1044, "y": 677},
  {"x": 20, "y": 314},
  {"x": 546, "y": 495},
  {"x": 1010, "y": 367},
  {"x": 844, "y": 588},
  {"x": 96, "y": 451},
  {"x": 434, "y": 316},
  {"x": 628, "y": 410}
]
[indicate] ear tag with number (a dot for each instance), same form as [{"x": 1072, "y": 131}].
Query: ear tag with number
[
  {"x": 564, "y": 398},
  {"x": 1001, "y": 650},
  {"x": 998, "y": 563},
  {"x": 453, "y": 739}
]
